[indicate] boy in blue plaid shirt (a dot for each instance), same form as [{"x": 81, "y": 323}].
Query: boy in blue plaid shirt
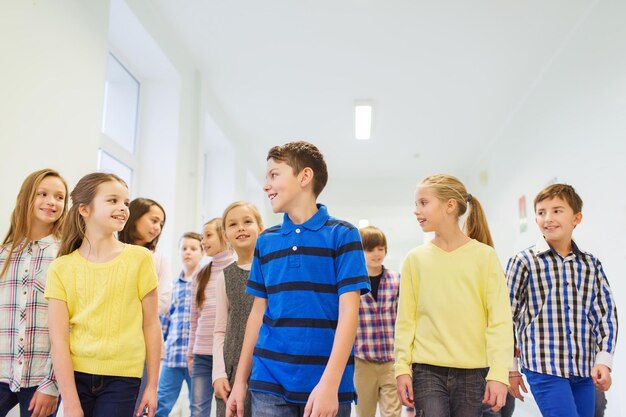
[{"x": 175, "y": 324}]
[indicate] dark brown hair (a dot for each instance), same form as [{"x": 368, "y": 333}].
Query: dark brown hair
[
  {"x": 138, "y": 207},
  {"x": 562, "y": 191},
  {"x": 446, "y": 188},
  {"x": 372, "y": 237},
  {"x": 83, "y": 193},
  {"x": 20, "y": 226},
  {"x": 299, "y": 155}
]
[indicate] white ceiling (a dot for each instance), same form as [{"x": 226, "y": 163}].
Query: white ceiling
[{"x": 444, "y": 76}]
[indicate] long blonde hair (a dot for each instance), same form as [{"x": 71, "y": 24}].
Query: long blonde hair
[
  {"x": 447, "y": 187},
  {"x": 204, "y": 275},
  {"x": 20, "y": 227},
  {"x": 83, "y": 193}
]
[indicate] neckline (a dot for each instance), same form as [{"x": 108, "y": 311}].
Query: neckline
[{"x": 466, "y": 244}]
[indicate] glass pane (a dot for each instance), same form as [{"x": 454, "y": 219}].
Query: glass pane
[
  {"x": 107, "y": 163},
  {"x": 121, "y": 100}
]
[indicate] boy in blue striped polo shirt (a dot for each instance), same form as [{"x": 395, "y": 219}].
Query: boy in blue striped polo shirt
[
  {"x": 307, "y": 277},
  {"x": 563, "y": 311}
]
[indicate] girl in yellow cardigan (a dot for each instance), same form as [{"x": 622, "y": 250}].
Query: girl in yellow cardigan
[
  {"x": 453, "y": 329},
  {"x": 103, "y": 316}
]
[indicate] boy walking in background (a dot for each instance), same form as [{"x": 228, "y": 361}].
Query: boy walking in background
[
  {"x": 307, "y": 276},
  {"x": 563, "y": 312}
]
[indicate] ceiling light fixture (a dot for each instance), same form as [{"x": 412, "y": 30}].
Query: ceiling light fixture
[{"x": 362, "y": 120}]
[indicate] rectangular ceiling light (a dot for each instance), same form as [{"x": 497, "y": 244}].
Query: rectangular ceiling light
[{"x": 362, "y": 121}]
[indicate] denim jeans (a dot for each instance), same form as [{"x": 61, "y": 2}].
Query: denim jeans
[
  {"x": 270, "y": 405},
  {"x": 170, "y": 382},
  {"x": 201, "y": 385},
  {"x": 448, "y": 392},
  {"x": 9, "y": 399},
  {"x": 562, "y": 397},
  {"x": 506, "y": 411},
  {"x": 107, "y": 396}
]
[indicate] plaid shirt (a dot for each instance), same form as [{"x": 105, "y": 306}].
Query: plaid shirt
[
  {"x": 377, "y": 318},
  {"x": 175, "y": 324},
  {"x": 563, "y": 311},
  {"x": 25, "y": 359}
]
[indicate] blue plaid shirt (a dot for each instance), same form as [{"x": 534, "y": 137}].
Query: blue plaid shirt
[{"x": 175, "y": 324}]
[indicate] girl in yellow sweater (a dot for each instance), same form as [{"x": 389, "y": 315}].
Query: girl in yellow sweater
[
  {"x": 102, "y": 299},
  {"x": 453, "y": 329}
]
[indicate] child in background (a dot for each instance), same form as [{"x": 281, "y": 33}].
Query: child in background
[
  {"x": 143, "y": 228},
  {"x": 373, "y": 368},
  {"x": 453, "y": 328},
  {"x": 307, "y": 276},
  {"x": 175, "y": 325},
  {"x": 200, "y": 352},
  {"x": 31, "y": 244},
  {"x": 564, "y": 313},
  {"x": 102, "y": 299},
  {"x": 242, "y": 224}
]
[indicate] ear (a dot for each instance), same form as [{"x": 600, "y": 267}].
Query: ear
[
  {"x": 83, "y": 210},
  {"x": 451, "y": 206},
  {"x": 306, "y": 176},
  {"x": 578, "y": 217}
]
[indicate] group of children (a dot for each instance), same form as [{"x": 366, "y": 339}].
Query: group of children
[{"x": 299, "y": 318}]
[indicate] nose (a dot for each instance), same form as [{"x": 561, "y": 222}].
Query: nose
[{"x": 267, "y": 186}]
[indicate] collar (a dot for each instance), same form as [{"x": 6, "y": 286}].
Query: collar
[
  {"x": 316, "y": 222},
  {"x": 44, "y": 242},
  {"x": 542, "y": 247}
]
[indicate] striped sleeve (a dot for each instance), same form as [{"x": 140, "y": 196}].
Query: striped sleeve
[
  {"x": 604, "y": 314},
  {"x": 350, "y": 263},
  {"x": 256, "y": 283}
]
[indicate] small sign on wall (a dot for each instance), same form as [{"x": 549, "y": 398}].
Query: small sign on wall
[{"x": 523, "y": 218}]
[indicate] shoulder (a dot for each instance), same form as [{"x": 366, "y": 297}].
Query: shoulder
[
  {"x": 271, "y": 230},
  {"x": 137, "y": 254},
  {"x": 392, "y": 275},
  {"x": 338, "y": 225}
]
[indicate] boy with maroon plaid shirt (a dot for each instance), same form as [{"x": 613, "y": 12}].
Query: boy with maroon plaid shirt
[{"x": 373, "y": 369}]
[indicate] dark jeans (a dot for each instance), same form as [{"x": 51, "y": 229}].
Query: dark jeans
[
  {"x": 9, "y": 399},
  {"x": 506, "y": 411},
  {"x": 600, "y": 403},
  {"x": 448, "y": 392},
  {"x": 107, "y": 396},
  {"x": 270, "y": 405}
]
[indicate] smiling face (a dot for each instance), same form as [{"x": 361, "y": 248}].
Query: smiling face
[
  {"x": 556, "y": 220},
  {"x": 108, "y": 212},
  {"x": 49, "y": 202},
  {"x": 149, "y": 225},
  {"x": 212, "y": 244},
  {"x": 282, "y": 186},
  {"x": 374, "y": 258},
  {"x": 242, "y": 228},
  {"x": 429, "y": 210}
]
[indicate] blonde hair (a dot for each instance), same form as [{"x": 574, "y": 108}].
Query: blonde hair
[
  {"x": 249, "y": 206},
  {"x": 447, "y": 187},
  {"x": 83, "y": 194},
  {"x": 20, "y": 226},
  {"x": 204, "y": 275}
]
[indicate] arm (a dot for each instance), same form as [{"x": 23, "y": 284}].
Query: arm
[
  {"x": 58, "y": 327},
  {"x": 604, "y": 313},
  {"x": 323, "y": 399},
  {"x": 193, "y": 325},
  {"x": 406, "y": 323},
  {"x": 165, "y": 282},
  {"x": 152, "y": 337},
  {"x": 220, "y": 378},
  {"x": 236, "y": 401},
  {"x": 517, "y": 283}
]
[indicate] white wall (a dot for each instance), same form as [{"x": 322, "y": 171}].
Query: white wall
[
  {"x": 572, "y": 128},
  {"x": 52, "y": 83}
]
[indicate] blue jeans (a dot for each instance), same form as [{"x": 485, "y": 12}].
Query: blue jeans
[
  {"x": 170, "y": 382},
  {"x": 562, "y": 397},
  {"x": 270, "y": 405},
  {"x": 107, "y": 396},
  {"x": 201, "y": 385},
  {"x": 9, "y": 399},
  {"x": 506, "y": 411},
  {"x": 448, "y": 392}
]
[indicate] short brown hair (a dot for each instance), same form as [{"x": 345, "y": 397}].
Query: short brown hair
[
  {"x": 299, "y": 155},
  {"x": 372, "y": 237},
  {"x": 564, "y": 192}
]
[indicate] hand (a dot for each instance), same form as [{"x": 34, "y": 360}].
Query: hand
[
  {"x": 42, "y": 405},
  {"x": 516, "y": 382},
  {"x": 495, "y": 395},
  {"x": 323, "y": 402},
  {"x": 221, "y": 388},
  {"x": 237, "y": 400},
  {"x": 149, "y": 399},
  {"x": 601, "y": 375},
  {"x": 404, "y": 387},
  {"x": 189, "y": 364}
]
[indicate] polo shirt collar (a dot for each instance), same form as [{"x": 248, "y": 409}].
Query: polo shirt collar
[
  {"x": 542, "y": 247},
  {"x": 316, "y": 222}
]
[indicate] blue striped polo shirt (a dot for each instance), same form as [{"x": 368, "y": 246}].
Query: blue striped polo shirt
[{"x": 302, "y": 270}]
